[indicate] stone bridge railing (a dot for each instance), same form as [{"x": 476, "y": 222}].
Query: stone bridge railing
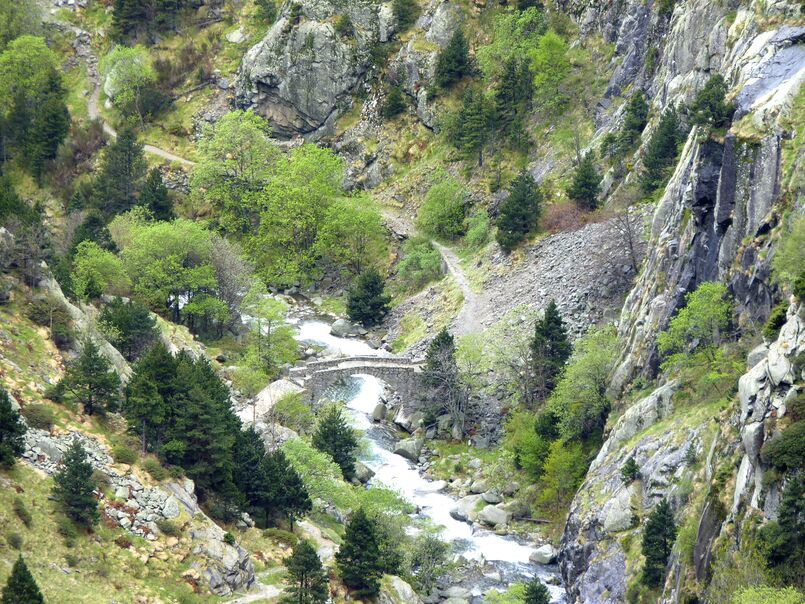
[{"x": 403, "y": 375}]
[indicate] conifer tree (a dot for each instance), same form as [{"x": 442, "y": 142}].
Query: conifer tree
[
  {"x": 395, "y": 103},
  {"x": 454, "y": 61},
  {"x": 145, "y": 409},
  {"x": 132, "y": 327},
  {"x": 368, "y": 302},
  {"x": 633, "y": 122},
  {"x": 658, "y": 539},
  {"x": 536, "y": 592},
  {"x": 308, "y": 582},
  {"x": 512, "y": 92},
  {"x": 661, "y": 152},
  {"x": 74, "y": 487},
  {"x": 358, "y": 558},
  {"x": 122, "y": 170},
  {"x": 49, "y": 126},
  {"x": 405, "y": 12},
  {"x": 12, "y": 431},
  {"x": 127, "y": 17},
  {"x": 550, "y": 350},
  {"x": 709, "y": 109},
  {"x": 155, "y": 197},
  {"x": 21, "y": 587},
  {"x": 336, "y": 437},
  {"x": 586, "y": 184},
  {"x": 92, "y": 381},
  {"x": 519, "y": 213},
  {"x": 630, "y": 471},
  {"x": 284, "y": 489},
  {"x": 247, "y": 469},
  {"x": 470, "y": 127}
]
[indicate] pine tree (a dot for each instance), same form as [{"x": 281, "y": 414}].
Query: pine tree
[
  {"x": 519, "y": 213},
  {"x": 247, "y": 469},
  {"x": 358, "y": 558},
  {"x": 145, "y": 409},
  {"x": 454, "y": 61},
  {"x": 550, "y": 350},
  {"x": 293, "y": 499},
  {"x": 336, "y": 437},
  {"x": 405, "y": 12},
  {"x": 48, "y": 128},
  {"x": 12, "y": 431},
  {"x": 586, "y": 185},
  {"x": 21, "y": 587},
  {"x": 122, "y": 170},
  {"x": 633, "y": 122},
  {"x": 536, "y": 592},
  {"x": 92, "y": 381},
  {"x": 630, "y": 471},
  {"x": 367, "y": 302},
  {"x": 512, "y": 93},
  {"x": 308, "y": 581},
  {"x": 267, "y": 10},
  {"x": 661, "y": 152},
  {"x": 74, "y": 487},
  {"x": 155, "y": 197},
  {"x": 128, "y": 16},
  {"x": 658, "y": 539},
  {"x": 395, "y": 103},
  {"x": 709, "y": 109},
  {"x": 133, "y": 327}
]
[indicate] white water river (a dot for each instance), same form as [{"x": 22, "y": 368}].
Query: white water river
[{"x": 508, "y": 557}]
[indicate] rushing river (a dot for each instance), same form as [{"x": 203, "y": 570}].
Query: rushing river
[{"x": 503, "y": 560}]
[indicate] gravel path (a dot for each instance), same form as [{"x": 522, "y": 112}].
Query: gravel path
[{"x": 468, "y": 319}]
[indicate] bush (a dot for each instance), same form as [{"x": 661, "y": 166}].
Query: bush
[
  {"x": 477, "y": 230},
  {"x": 405, "y": 12},
  {"x": 155, "y": 469},
  {"x": 72, "y": 560},
  {"x": 284, "y": 537},
  {"x": 14, "y": 540},
  {"x": 50, "y": 313},
  {"x": 169, "y": 528},
  {"x": 563, "y": 217},
  {"x": 444, "y": 210},
  {"x": 124, "y": 454},
  {"x": 776, "y": 320},
  {"x": 67, "y": 530},
  {"x": 395, "y": 103},
  {"x": 343, "y": 26},
  {"x": 229, "y": 538},
  {"x": 786, "y": 451},
  {"x": 292, "y": 412},
  {"x": 630, "y": 471},
  {"x": 38, "y": 416},
  {"x": 421, "y": 264},
  {"x": 767, "y": 595},
  {"x": 22, "y": 512}
]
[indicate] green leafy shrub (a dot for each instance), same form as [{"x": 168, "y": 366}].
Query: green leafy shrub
[
  {"x": 67, "y": 530},
  {"x": 39, "y": 416},
  {"x": 14, "y": 540},
  {"x": 124, "y": 454},
  {"x": 790, "y": 256},
  {"x": 395, "y": 103},
  {"x": 344, "y": 27},
  {"x": 22, "y": 512},
  {"x": 405, "y": 12},
  {"x": 786, "y": 451},
  {"x": 292, "y": 412},
  {"x": 776, "y": 320},
  {"x": 229, "y": 538},
  {"x": 169, "y": 528},
  {"x": 630, "y": 471},
  {"x": 709, "y": 109},
  {"x": 767, "y": 595},
  {"x": 443, "y": 212},
  {"x": 285, "y": 537},
  {"x": 155, "y": 469},
  {"x": 477, "y": 230},
  {"x": 421, "y": 263},
  {"x": 50, "y": 313}
]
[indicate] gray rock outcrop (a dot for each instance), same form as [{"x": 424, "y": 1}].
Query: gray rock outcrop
[{"x": 301, "y": 76}]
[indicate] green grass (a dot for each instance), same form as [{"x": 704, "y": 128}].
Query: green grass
[{"x": 413, "y": 330}]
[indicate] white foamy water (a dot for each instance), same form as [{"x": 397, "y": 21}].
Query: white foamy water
[{"x": 396, "y": 472}]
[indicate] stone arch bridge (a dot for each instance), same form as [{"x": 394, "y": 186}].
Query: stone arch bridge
[{"x": 402, "y": 374}]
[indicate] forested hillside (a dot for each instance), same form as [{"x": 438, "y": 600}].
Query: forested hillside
[{"x": 412, "y": 301}]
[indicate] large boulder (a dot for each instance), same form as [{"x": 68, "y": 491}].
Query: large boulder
[
  {"x": 465, "y": 508},
  {"x": 301, "y": 76},
  {"x": 394, "y": 590},
  {"x": 545, "y": 554},
  {"x": 342, "y": 328},
  {"x": 363, "y": 473},
  {"x": 410, "y": 448},
  {"x": 494, "y": 516}
]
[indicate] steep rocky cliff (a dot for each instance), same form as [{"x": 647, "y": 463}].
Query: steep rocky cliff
[
  {"x": 302, "y": 75},
  {"x": 716, "y": 221}
]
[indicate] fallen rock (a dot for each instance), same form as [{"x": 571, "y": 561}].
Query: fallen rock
[
  {"x": 394, "y": 590},
  {"x": 494, "y": 516},
  {"x": 410, "y": 448},
  {"x": 363, "y": 473},
  {"x": 545, "y": 554}
]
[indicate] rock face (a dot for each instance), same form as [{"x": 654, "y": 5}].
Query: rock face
[
  {"x": 138, "y": 508},
  {"x": 394, "y": 590},
  {"x": 302, "y": 74}
]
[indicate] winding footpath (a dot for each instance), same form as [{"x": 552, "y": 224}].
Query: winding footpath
[{"x": 468, "y": 319}]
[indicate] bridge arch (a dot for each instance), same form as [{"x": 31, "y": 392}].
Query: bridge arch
[{"x": 402, "y": 375}]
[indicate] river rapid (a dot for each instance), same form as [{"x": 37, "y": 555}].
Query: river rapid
[{"x": 492, "y": 561}]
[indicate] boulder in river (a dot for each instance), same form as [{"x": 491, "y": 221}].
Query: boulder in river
[
  {"x": 363, "y": 473},
  {"x": 464, "y": 509},
  {"x": 379, "y": 413},
  {"x": 494, "y": 516},
  {"x": 545, "y": 554},
  {"x": 410, "y": 448},
  {"x": 342, "y": 328}
]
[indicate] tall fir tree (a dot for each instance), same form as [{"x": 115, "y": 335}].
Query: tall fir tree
[
  {"x": 658, "y": 539},
  {"x": 336, "y": 437},
  {"x": 550, "y": 350},
  {"x": 247, "y": 469},
  {"x": 155, "y": 196},
  {"x": 21, "y": 587},
  {"x": 122, "y": 170},
  {"x": 133, "y": 330},
  {"x": 92, "y": 381},
  {"x": 74, "y": 487},
  {"x": 368, "y": 302},
  {"x": 709, "y": 108},
  {"x": 536, "y": 592},
  {"x": 307, "y": 579},
  {"x": 48, "y": 128},
  {"x": 512, "y": 93},
  {"x": 395, "y": 102},
  {"x": 12, "y": 432},
  {"x": 453, "y": 62},
  {"x": 284, "y": 492},
  {"x": 358, "y": 559},
  {"x": 633, "y": 122},
  {"x": 660, "y": 152},
  {"x": 469, "y": 130},
  {"x": 586, "y": 184},
  {"x": 519, "y": 213}
]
